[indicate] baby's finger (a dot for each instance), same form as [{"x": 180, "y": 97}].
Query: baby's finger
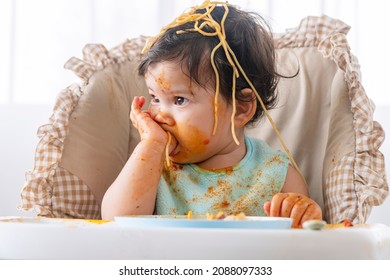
[
  {"x": 138, "y": 103},
  {"x": 141, "y": 101},
  {"x": 276, "y": 204},
  {"x": 133, "y": 118},
  {"x": 298, "y": 211},
  {"x": 288, "y": 204},
  {"x": 136, "y": 107},
  {"x": 267, "y": 207},
  {"x": 313, "y": 212}
]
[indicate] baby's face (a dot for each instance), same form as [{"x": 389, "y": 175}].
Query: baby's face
[{"x": 186, "y": 110}]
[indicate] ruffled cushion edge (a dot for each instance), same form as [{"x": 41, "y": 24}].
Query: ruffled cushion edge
[
  {"x": 347, "y": 199},
  {"x": 49, "y": 188}
]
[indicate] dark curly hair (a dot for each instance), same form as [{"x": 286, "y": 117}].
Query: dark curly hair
[{"x": 249, "y": 37}]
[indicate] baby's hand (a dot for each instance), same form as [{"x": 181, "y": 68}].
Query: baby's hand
[
  {"x": 296, "y": 206},
  {"x": 142, "y": 121}
]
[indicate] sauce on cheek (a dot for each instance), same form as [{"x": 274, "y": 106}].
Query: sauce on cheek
[{"x": 192, "y": 142}]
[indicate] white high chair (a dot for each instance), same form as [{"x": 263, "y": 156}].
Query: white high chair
[{"x": 323, "y": 114}]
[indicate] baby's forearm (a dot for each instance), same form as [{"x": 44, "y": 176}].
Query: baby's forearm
[{"x": 134, "y": 190}]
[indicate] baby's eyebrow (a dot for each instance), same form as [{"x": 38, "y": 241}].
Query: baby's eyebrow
[{"x": 180, "y": 90}]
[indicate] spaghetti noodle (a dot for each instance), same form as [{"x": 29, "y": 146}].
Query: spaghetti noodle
[
  {"x": 219, "y": 30},
  {"x": 167, "y": 159}
]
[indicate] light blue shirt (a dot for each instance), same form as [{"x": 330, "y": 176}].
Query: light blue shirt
[{"x": 243, "y": 187}]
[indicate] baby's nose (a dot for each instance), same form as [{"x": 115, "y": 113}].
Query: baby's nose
[{"x": 164, "y": 118}]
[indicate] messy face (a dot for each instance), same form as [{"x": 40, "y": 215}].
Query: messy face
[{"x": 186, "y": 110}]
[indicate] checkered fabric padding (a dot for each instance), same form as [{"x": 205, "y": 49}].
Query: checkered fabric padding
[
  {"x": 356, "y": 181},
  {"x": 50, "y": 190}
]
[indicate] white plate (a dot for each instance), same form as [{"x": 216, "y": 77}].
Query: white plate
[{"x": 197, "y": 222}]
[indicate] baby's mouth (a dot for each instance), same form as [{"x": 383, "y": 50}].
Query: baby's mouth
[{"x": 175, "y": 147}]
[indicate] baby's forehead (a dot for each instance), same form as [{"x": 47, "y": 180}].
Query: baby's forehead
[
  {"x": 167, "y": 70},
  {"x": 179, "y": 72}
]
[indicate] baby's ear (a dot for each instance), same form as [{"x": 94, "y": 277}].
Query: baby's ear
[{"x": 245, "y": 110}]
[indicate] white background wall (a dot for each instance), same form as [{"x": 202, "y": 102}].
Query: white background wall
[{"x": 39, "y": 36}]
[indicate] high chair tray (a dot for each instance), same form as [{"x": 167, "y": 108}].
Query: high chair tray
[{"x": 45, "y": 238}]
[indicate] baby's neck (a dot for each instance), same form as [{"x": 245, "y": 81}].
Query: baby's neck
[{"x": 225, "y": 159}]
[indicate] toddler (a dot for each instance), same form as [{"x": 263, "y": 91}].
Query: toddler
[{"x": 210, "y": 73}]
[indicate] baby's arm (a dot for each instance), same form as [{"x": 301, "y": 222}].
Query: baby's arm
[
  {"x": 134, "y": 190},
  {"x": 293, "y": 201}
]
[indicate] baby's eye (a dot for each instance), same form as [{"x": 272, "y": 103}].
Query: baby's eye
[
  {"x": 154, "y": 99},
  {"x": 180, "y": 100}
]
